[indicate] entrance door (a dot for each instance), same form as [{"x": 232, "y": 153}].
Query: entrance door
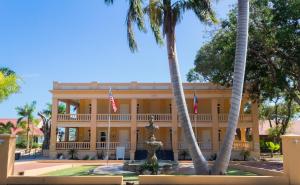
[
  {"x": 206, "y": 139},
  {"x": 124, "y": 138},
  {"x": 124, "y": 109}
]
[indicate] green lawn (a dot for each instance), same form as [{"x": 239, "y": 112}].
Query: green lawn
[{"x": 84, "y": 171}]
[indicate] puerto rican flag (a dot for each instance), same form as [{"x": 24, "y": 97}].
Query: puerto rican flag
[
  {"x": 112, "y": 101},
  {"x": 195, "y": 104}
]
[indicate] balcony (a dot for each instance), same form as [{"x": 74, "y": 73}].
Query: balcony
[
  {"x": 74, "y": 117},
  {"x": 73, "y": 145},
  {"x": 243, "y": 117},
  {"x": 202, "y": 145},
  {"x": 112, "y": 145},
  {"x": 113, "y": 117},
  {"x": 201, "y": 117},
  {"x": 242, "y": 145},
  {"x": 157, "y": 117}
]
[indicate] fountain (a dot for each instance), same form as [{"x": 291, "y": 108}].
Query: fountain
[
  {"x": 152, "y": 164},
  {"x": 152, "y": 145}
]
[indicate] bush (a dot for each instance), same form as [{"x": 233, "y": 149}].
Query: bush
[
  {"x": 273, "y": 147},
  {"x": 35, "y": 145},
  {"x": 245, "y": 154},
  {"x": 73, "y": 153},
  {"x": 86, "y": 157},
  {"x": 152, "y": 167},
  {"x": 21, "y": 144}
]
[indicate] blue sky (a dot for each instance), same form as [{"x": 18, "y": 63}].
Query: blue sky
[{"x": 84, "y": 41}]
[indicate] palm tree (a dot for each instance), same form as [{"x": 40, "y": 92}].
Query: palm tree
[
  {"x": 165, "y": 15},
  {"x": 46, "y": 116},
  {"x": 5, "y": 128},
  {"x": 223, "y": 159},
  {"x": 26, "y": 112}
]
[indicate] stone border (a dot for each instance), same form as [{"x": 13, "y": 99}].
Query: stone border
[
  {"x": 213, "y": 180},
  {"x": 109, "y": 180}
]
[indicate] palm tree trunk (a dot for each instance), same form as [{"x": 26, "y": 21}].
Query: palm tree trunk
[
  {"x": 200, "y": 163},
  {"x": 27, "y": 145},
  {"x": 223, "y": 159}
]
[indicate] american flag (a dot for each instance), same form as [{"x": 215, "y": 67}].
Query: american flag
[
  {"x": 195, "y": 104},
  {"x": 112, "y": 101}
]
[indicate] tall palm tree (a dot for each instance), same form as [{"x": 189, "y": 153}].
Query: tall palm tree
[
  {"x": 223, "y": 159},
  {"x": 46, "y": 116},
  {"x": 26, "y": 112},
  {"x": 164, "y": 15}
]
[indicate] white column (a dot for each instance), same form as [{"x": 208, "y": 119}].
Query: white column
[
  {"x": 133, "y": 128},
  {"x": 174, "y": 130}
]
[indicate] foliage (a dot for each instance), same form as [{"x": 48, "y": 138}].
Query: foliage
[
  {"x": 152, "y": 167},
  {"x": 73, "y": 153},
  {"x": 273, "y": 51},
  {"x": 26, "y": 112},
  {"x": 245, "y": 154},
  {"x": 5, "y": 128},
  {"x": 9, "y": 83},
  {"x": 21, "y": 144},
  {"x": 273, "y": 147},
  {"x": 86, "y": 157},
  {"x": 279, "y": 114},
  {"x": 35, "y": 145}
]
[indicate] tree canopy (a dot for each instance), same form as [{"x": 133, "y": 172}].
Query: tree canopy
[
  {"x": 8, "y": 83},
  {"x": 273, "y": 59}
]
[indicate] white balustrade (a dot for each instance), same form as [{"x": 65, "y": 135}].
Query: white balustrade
[
  {"x": 112, "y": 145},
  {"x": 73, "y": 145},
  {"x": 157, "y": 117},
  {"x": 74, "y": 117},
  {"x": 242, "y": 145},
  {"x": 201, "y": 117},
  {"x": 243, "y": 117},
  {"x": 113, "y": 117}
]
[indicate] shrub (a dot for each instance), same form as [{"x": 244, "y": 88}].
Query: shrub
[
  {"x": 73, "y": 153},
  {"x": 273, "y": 147},
  {"x": 21, "y": 144},
  {"x": 86, "y": 157},
  {"x": 245, "y": 154},
  {"x": 152, "y": 167},
  {"x": 35, "y": 145}
]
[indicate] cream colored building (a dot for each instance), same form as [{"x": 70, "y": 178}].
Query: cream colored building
[{"x": 87, "y": 113}]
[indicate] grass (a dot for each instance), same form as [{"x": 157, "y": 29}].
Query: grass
[
  {"x": 84, "y": 171},
  {"x": 75, "y": 171},
  {"x": 237, "y": 172}
]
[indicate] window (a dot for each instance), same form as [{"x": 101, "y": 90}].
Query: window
[
  {"x": 90, "y": 108},
  {"x": 219, "y": 108},
  {"x": 137, "y": 108},
  {"x": 102, "y": 136},
  {"x": 72, "y": 134}
]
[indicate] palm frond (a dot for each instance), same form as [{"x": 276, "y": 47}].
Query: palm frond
[
  {"x": 109, "y": 2},
  {"x": 155, "y": 13},
  {"x": 202, "y": 9},
  {"x": 135, "y": 15}
]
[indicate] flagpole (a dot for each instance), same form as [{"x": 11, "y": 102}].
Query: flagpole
[{"x": 108, "y": 132}]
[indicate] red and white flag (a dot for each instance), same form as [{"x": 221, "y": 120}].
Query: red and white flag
[
  {"x": 112, "y": 101},
  {"x": 195, "y": 104}
]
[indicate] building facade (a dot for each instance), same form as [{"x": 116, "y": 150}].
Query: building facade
[{"x": 84, "y": 124}]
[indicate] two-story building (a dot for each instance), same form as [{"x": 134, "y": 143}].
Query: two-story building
[{"x": 84, "y": 126}]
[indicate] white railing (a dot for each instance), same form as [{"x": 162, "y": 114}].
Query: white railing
[
  {"x": 157, "y": 117},
  {"x": 73, "y": 145},
  {"x": 73, "y": 117},
  {"x": 113, "y": 117},
  {"x": 202, "y": 145},
  {"x": 201, "y": 117},
  {"x": 243, "y": 117},
  {"x": 112, "y": 145},
  {"x": 242, "y": 145}
]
